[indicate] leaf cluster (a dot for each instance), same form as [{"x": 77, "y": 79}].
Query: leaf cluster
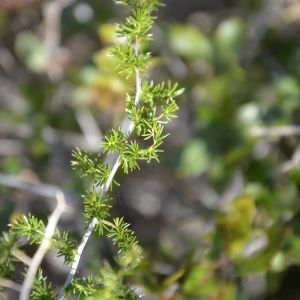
[
  {"x": 106, "y": 285},
  {"x": 135, "y": 31},
  {"x": 29, "y": 229},
  {"x": 157, "y": 106},
  {"x": 41, "y": 289},
  {"x": 139, "y": 23},
  {"x": 91, "y": 165}
]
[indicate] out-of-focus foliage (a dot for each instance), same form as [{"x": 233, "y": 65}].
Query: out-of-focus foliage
[
  {"x": 242, "y": 73},
  {"x": 220, "y": 219}
]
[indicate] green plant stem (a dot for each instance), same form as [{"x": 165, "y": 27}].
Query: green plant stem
[{"x": 105, "y": 187}]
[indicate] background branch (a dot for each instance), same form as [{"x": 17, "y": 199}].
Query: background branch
[
  {"x": 275, "y": 131},
  {"x": 43, "y": 248},
  {"x": 10, "y": 284}
]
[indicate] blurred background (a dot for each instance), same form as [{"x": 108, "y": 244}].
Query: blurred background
[{"x": 219, "y": 217}]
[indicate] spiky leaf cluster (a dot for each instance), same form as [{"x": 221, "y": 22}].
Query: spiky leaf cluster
[
  {"x": 64, "y": 245},
  {"x": 135, "y": 31},
  {"x": 106, "y": 285},
  {"x": 91, "y": 165},
  {"x": 96, "y": 205},
  {"x": 83, "y": 287},
  {"x": 139, "y": 23},
  {"x": 30, "y": 227},
  {"x": 156, "y": 108},
  {"x": 42, "y": 290}
]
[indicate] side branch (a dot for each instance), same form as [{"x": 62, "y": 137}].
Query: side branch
[
  {"x": 275, "y": 131},
  {"x": 43, "y": 248},
  {"x": 9, "y": 284}
]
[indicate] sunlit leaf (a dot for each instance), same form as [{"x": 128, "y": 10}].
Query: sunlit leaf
[
  {"x": 229, "y": 38},
  {"x": 200, "y": 280},
  {"x": 234, "y": 224},
  {"x": 31, "y": 49},
  {"x": 195, "y": 159},
  {"x": 189, "y": 42}
]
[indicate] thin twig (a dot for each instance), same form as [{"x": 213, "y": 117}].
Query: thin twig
[
  {"x": 275, "y": 131},
  {"x": 104, "y": 188},
  {"x": 43, "y": 248},
  {"x": 9, "y": 284},
  {"x": 52, "y": 11},
  {"x": 294, "y": 162},
  {"x": 36, "y": 188},
  {"x": 89, "y": 127},
  {"x": 67, "y": 139},
  {"x": 21, "y": 256}
]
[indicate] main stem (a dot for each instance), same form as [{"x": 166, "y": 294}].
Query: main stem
[{"x": 104, "y": 188}]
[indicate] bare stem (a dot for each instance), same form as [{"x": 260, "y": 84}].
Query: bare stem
[
  {"x": 275, "y": 131},
  {"x": 75, "y": 263},
  {"x": 36, "y": 188},
  {"x": 43, "y": 248},
  {"x": 52, "y": 12},
  {"x": 9, "y": 284},
  {"x": 105, "y": 187},
  {"x": 21, "y": 256}
]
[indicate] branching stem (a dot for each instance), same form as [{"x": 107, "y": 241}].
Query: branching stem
[{"x": 104, "y": 188}]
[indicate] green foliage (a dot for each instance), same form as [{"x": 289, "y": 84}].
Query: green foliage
[
  {"x": 8, "y": 242},
  {"x": 126, "y": 56},
  {"x": 31, "y": 49},
  {"x": 107, "y": 284},
  {"x": 146, "y": 124},
  {"x": 149, "y": 107},
  {"x": 65, "y": 246},
  {"x": 30, "y": 227},
  {"x": 190, "y": 43},
  {"x": 139, "y": 24},
  {"x": 91, "y": 165},
  {"x": 82, "y": 287},
  {"x": 195, "y": 159},
  {"x": 235, "y": 225},
  {"x": 234, "y": 88},
  {"x": 41, "y": 289},
  {"x": 222, "y": 209}
]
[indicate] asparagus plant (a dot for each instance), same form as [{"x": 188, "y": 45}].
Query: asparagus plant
[{"x": 148, "y": 109}]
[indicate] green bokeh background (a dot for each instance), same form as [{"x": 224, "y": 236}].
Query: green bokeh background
[{"x": 219, "y": 216}]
